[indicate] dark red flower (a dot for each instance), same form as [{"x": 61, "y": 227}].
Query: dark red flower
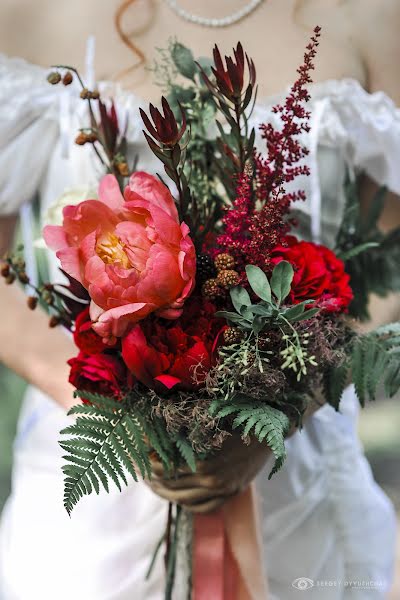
[
  {"x": 85, "y": 337},
  {"x": 164, "y": 128},
  {"x": 174, "y": 355},
  {"x": 318, "y": 275},
  {"x": 103, "y": 374},
  {"x": 229, "y": 77}
]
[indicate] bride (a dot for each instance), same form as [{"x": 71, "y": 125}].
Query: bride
[{"x": 323, "y": 518}]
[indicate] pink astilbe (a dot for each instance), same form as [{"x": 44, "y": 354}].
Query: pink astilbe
[
  {"x": 237, "y": 220},
  {"x": 257, "y": 220}
]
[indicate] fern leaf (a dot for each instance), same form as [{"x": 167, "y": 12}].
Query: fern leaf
[
  {"x": 106, "y": 442},
  {"x": 358, "y": 370},
  {"x": 265, "y": 422},
  {"x": 334, "y": 381},
  {"x": 187, "y": 453}
]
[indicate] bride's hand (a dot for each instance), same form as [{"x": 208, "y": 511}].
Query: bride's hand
[{"x": 216, "y": 479}]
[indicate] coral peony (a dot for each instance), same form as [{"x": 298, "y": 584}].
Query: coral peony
[
  {"x": 130, "y": 253},
  {"x": 318, "y": 274}
]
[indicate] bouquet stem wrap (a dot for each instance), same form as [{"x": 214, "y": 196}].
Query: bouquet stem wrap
[{"x": 227, "y": 558}]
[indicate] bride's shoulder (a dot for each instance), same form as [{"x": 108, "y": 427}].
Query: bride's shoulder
[{"x": 376, "y": 33}]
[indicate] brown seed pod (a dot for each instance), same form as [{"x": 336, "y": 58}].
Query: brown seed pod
[
  {"x": 54, "y": 77},
  {"x": 23, "y": 277},
  {"x": 122, "y": 168},
  {"x": 68, "y": 78},
  {"x": 32, "y": 302},
  {"x": 10, "y": 278},
  {"x": 5, "y": 270},
  {"x": 211, "y": 290},
  {"x": 54, "y": 321},
  {"x": 224, "y": 261},
  {"x": 85, "y": 94},
  {"x": 228, "y": 278},
  {"x": 81, "y": 139},
  {"x": 232, "y": 335},
  {"x": 91, "y": 137},
  {"x": 95, "y": 95}
]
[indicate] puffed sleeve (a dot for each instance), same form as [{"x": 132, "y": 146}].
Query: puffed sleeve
[
  {"x": 28, "y": 130},
  {"x": 368, "y": 126}
]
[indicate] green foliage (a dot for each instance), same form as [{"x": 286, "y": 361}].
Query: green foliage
[
  {"x": 334, "y": 383},
  {"x": 281, "y": 280},
  {"x": 259, "y": 282},
  {"x": 108, "y": 441},
  {"x": 374, "y": 359},
  {"x": 371, "y": 256},
  {"x": 184, "y": 60},
  {"x": 266, "y": 423},
  {"x": 269, "y": 312}
]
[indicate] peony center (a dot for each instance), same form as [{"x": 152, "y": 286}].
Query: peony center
[{"x": 110, "y": 249}]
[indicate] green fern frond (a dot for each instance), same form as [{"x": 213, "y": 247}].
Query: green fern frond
[
  {"x": 108, "y": 441},
  {"x": 187, "y": 453},
  {"x": 375, "y": 358},
  {"x": 265, "y": 422},
  {"x": 334, "y": 382}
]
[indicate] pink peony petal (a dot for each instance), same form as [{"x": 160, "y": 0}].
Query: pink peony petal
[
  {"x": 69, "y": 258},
  {"x": 115, "y": 322},
  {"x": 109, "y": 192},
  {"x": 55, "y": 237},
  {"x": 146, "y": 186}
]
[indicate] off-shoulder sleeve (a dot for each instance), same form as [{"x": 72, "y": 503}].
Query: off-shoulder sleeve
[
  {"x": 28, "y": 130},
  {"x": 367, "y": 126}
]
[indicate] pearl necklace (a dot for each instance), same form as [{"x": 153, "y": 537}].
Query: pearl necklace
[{"x": 206, "y": 22}]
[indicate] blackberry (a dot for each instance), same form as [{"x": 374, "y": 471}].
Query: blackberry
[
  {"x": 228, "y": 278},
  {"x": 205, "y": 268},
  {"x": 224, "y": 261},
  {"x": 232, "y": 335}
]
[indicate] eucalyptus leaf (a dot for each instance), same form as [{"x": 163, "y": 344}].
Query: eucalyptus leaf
[
  {"x": 281, "y": 280},
  {"x": 294, "y": 311},
  {"x": 184, "y": 60},
  {"x": 259, "y": 282},
  {"x": 229, "y": 316},
  {"x": 258, "y": 324},
  {"x": 206, "y": 63},
  {"x": 240, "y": 297},
  {"x": 260, "y": 309},
  {"x": 307, "y": 314}
]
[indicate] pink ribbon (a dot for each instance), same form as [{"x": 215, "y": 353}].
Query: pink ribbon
[{"x": 227, "y": 560}]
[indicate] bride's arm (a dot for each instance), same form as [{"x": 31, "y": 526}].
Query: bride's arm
[{"x": 28, "y": 346}]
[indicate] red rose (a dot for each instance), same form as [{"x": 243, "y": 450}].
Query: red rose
[
  {"x": 170, "y": 355},
  {"x": 318, "y": 274},
  {"x": 85, "y": 337},
  {"x": 103, "y": 374}
]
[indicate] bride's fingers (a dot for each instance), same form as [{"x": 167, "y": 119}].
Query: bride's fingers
[
  {"x": 186, "y": 497},
  {"x": 211, "y": 482},
  {"x": 208, "y": 506}
]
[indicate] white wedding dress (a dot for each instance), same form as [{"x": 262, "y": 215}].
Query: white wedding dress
[{"x": 324, "y": 519}]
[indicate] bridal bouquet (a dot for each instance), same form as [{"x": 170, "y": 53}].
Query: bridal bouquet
[{"x": 195, "y": 309}]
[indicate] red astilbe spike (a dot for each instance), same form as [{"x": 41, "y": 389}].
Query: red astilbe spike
[
  {"x": 237, "y": 220},
  {"x": 251, "y": 233}
]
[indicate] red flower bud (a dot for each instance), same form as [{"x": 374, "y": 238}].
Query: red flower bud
[{"x": 164, "y": 128}]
